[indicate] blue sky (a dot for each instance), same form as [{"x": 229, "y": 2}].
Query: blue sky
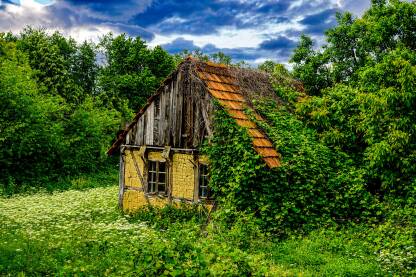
[{"x": 247, "y": 30}]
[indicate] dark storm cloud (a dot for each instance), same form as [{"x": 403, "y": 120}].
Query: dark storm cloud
[
  {"x": 179, "y": 45},
  {"x": 132, "y": 30},
  {"x": 319, "y": 22},
  {"x": 206, "y": 16},
  {"x": 278, "y": 43},
  {"x": 113, "y": 10},
  {"x": 176, "y": 18},
  {"x": 249, "y": 54}
]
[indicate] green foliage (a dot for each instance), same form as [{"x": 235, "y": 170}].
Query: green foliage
[
  {"x": 388, "y": 121},
  {"x": 334, "y": 116},
  {"x": 221, "y": 58},
  {"x": 165, "y": 217},
  {"x": 267, "y": 66},
  {"x": 89, "y": 129},
  {"x": 132, "y": 72},
  {"x": 310, "y": 67},
  {"x": 370, "y": 113},
  {"x": 354, "y": 43},
  {"x": 45, "y": 138},
  {"x": 60, "y": 108},
  {"x": 84, "y": 68},
  {"x": 394, "y": 239},
  {"x": 51, "y": 58},
  {"x": 27, "y": 121},
  {"x": 330, "y": 252},
  {"x": 218, "y": 57},
  {"x": 314, "y": 186},
  {"x": 197, "y": 54}
]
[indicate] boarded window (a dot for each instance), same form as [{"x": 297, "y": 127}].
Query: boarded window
[
  {"x": 156, "y": 177},
  {"x": 203, "y": 178}
]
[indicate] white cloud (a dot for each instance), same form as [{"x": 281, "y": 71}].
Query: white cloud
[
  {"x": 30, "y": 13},
  {"x": 354, "y": 6},
  {"x": 15, "y": 17}
]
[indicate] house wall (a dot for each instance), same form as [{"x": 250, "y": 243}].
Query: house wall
[
  {"x": 179, "y": 115},
  {"x": 182, "y": 178}
]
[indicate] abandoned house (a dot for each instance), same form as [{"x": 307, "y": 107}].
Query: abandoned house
[{"x": 159, "y": 157}]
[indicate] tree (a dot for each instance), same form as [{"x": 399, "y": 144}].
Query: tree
[
  {"x": 132, "y": 72},
  {"x": 310, "y": 67},
  {"x": 44, "y": 136},
  {"x": 51, "y": 58},
  {"x": 28, "y": 125},
  {"x": 267, "y": 66},
  {"x": 354, "y": 43},
  {"x": 369, "y": 110},
  {"x": 220, "y": 57},
  {"x": 85, "y": 68}
]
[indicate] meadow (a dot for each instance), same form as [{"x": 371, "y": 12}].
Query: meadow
[{"x": 83, "y": 233}]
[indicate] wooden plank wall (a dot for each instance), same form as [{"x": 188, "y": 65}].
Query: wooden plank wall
[{"x": 175, "y": 117}]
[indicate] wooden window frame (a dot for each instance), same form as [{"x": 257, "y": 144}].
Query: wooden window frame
[
  {"x": 203, "y": 178},
  {"x": 153, "y": 178}
]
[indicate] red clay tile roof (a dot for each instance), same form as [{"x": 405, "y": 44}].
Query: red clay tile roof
[{"x": 224, "y": 87}]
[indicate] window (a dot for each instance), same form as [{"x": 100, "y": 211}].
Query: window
[
  {"x": 157, "y": 177},
  {"x": 203, "y": 178}
]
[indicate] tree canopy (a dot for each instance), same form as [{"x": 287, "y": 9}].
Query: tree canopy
[
  {"x": 362, "y": 95},
  {"x": 61, "y": 106}
]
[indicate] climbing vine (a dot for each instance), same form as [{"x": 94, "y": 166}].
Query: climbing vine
[{"x": 315, "y": 184}]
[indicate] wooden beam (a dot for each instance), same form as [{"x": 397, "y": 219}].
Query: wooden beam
[
  {"x": 121, "y": 179},
  {"x": 206, "y": 120},
  {"x": 192, "y": 150},
  {"x": 144, "y": 185}
]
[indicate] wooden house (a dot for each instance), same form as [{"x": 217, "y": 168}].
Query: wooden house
[{"x": 159, "y": 157}]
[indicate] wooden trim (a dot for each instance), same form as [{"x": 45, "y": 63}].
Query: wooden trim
[
  {"x": 121, "y": 179},
  {"x": 192, "y": 150},
  {"x": 196, "y": 177},
  {"x": 206, "y": 120},
  {"x": 139, "y": 173}
]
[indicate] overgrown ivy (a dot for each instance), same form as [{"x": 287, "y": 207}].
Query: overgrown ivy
[{"x": 314, "y": 186}]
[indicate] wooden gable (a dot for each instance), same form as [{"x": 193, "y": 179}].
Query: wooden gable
[{"x": 179, "y": 113}]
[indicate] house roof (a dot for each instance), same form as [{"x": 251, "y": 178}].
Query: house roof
[{"x": 235, "y": 89}]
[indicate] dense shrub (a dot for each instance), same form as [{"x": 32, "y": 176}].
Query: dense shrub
[{"x": 43, "y": 138}]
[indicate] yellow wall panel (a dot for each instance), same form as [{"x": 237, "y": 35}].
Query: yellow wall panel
[
  {"x": 133, "y": 200},
  {"x": 156, "y": 156},
  {"x": 131, "y": 177},
  {"x": 183, "y": 178}
]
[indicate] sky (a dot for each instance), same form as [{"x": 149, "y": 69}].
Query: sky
[{"x": 249, "y": 30}]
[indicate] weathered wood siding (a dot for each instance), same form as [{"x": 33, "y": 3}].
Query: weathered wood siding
[{"x": 178, "y": 117}]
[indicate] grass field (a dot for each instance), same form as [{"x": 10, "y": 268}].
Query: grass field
[{"x": 83, "y": 233}]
